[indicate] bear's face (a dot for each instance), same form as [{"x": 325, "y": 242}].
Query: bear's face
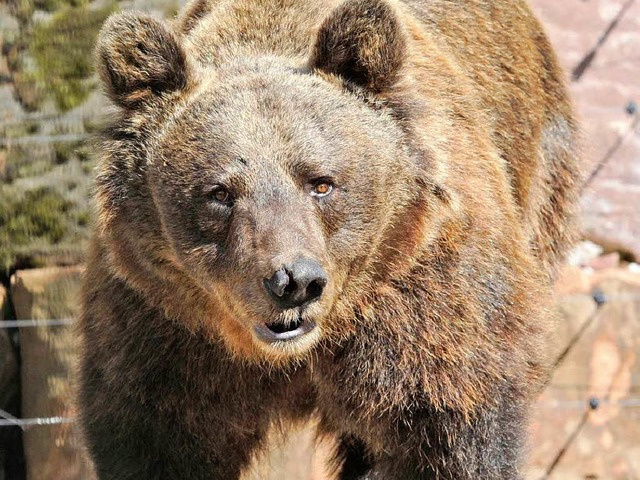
[
  {"x": 265, "y": 174},
  {"x": 274, "y": 186}
]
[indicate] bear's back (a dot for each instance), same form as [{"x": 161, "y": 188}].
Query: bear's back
[{"x": 505, "y": 52}]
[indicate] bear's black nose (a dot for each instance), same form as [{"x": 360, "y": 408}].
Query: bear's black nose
[{"x": 293, "y": 285}]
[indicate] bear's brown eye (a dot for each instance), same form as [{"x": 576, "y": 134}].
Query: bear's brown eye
[
  {"x": 322, "y": 188},
  {"x": 221, "y": 195}
]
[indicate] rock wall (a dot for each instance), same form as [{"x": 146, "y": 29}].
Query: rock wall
[
  {"x": 50, "y": 105},
  {"x": 587, "y": 421}
]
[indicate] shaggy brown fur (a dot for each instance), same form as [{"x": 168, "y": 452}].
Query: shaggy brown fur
[{"x": 444, "y": 134}]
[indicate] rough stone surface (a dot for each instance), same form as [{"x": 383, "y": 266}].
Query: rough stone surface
[
  {"x": 47, "y": 355},
  {"x": 298, "y": 457},
  {"x": 583, "y": 252},
  {"x": 610, "y": 260},
  {"x": 610, "y": 202},
  {"x": 600, "y": 369}
]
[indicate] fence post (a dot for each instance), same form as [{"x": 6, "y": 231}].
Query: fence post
[{"x": 48, "y": 354}]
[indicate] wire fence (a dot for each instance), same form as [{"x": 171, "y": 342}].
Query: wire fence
[
  {"x": 595, "y": 396},
  {"x": 8, "y": 420}
]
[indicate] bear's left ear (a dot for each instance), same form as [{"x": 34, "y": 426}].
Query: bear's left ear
[
  {"x": 363, "y": 42},
  {"x": 138, "y": 57}
]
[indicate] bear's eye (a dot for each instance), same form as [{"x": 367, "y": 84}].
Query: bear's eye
[
  {"x": 322, "y": 187},
  {"x": 221, "y": 195}
]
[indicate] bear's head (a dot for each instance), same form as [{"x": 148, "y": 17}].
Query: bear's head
[{"x": 269, "y": 192}]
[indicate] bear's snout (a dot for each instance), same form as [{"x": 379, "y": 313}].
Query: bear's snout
[{"x": 297, "y": 284}]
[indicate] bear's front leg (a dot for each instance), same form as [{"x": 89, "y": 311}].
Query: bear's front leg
[
  {"x": 143, "y": 444},
  {"x": 404, "y": 428},
  {"x": 442, "y": 446},
  {"x": 169, "y": 428}
]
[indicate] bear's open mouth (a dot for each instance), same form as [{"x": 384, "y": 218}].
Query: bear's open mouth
[
  {"x": 283, "y": 327},
  {"x": 283, "y": 330}
]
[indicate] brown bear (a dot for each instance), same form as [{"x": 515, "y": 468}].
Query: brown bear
[{"x": 347, "y": 210}]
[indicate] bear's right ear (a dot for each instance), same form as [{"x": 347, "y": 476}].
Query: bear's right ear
[
  {"x": 363, "y": 42},
  {"x": 138, "y": 57}
]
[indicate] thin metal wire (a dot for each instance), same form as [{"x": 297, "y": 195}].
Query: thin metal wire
[
  {"x": 581, "y": 404},
  {"x": 622, "y": 297},
  {"x": 599, "y": 388},
  {"x": 620, "y": 141},
  {"x": 576, "y": 338},
  {"x": 594, "y": 403},
  {"x": 25, "y": 423},
  {"x": 587, "y": 61},
  {"x": 10, "y": 418},
  {"x": 574, "y": 434},
  {"x": 62, "y": 137},
  {"x": 35, "y": 118},
  {"x": 618, "y": 297},
  {"x": 36, "y": 323}
]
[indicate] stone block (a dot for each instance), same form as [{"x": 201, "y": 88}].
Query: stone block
[
  {"x": 48, "y": 356},
  {"x": 601, "y": 369}
]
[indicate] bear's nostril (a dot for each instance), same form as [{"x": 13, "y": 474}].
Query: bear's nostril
[
  {"x": 291, "y": 287},
  {"x": 278, "y": 283},
  {"x": 314, "y": 289}
]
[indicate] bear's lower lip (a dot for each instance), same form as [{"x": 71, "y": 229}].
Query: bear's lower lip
[{"x": 281, "y": 331}]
